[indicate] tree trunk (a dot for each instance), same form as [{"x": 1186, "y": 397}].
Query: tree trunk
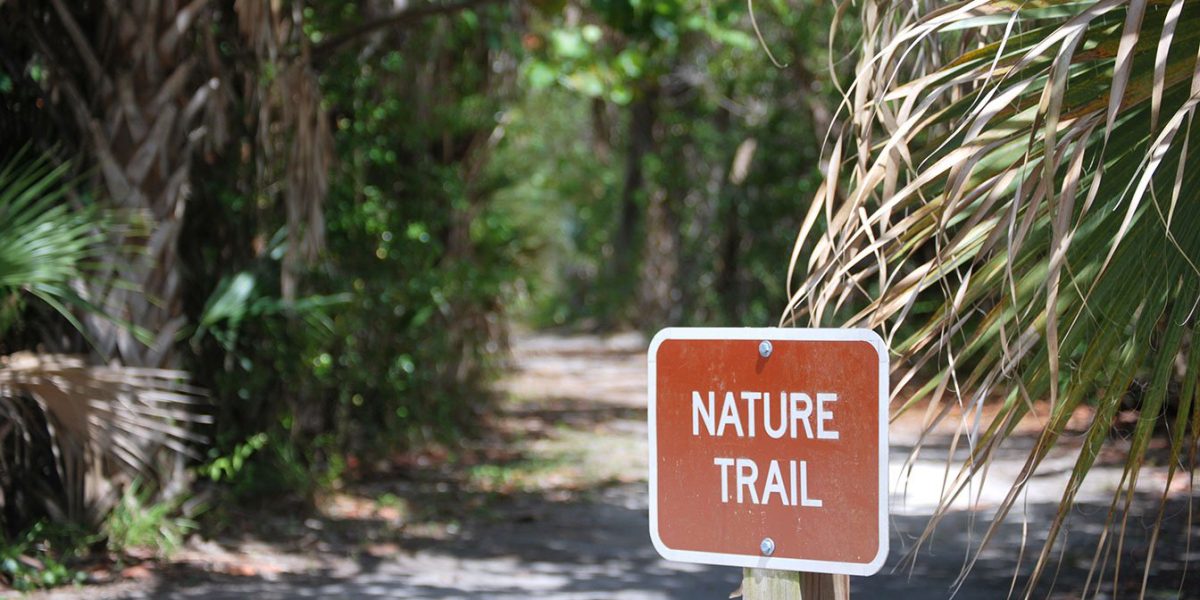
[
  {"x": 728, "y": 276},
  {"x": 133, "y": 83},
  {"x": 622, "y": 275},
  {"x": 659, "y": 296}
]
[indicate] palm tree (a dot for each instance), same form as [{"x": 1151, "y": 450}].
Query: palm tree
[
  {"x": 146, "y": 86},
  {"x": 72, "y": 433},
  {"x": 1009, "y": 200},
  {"x": 136, "y": 81}
]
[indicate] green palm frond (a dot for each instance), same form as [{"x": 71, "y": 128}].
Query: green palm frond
[
  {"x": 44, "y": 244},
  {"x": 1010, "y": 201}
]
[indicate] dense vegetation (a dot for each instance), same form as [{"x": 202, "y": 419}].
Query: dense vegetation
[
  {"x": 252, "y": 248},
  {"x": 326, "y": 217}
]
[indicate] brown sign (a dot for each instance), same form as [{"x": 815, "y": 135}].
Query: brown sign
[{"x": 768, "y": 448}]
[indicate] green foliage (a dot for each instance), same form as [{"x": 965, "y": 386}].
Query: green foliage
[
  {"x": 45, "y": 243},
  {"x": 564, "y": 201},
  {"x": 623, "y": 46},
  {"x": 138, "y": 521},
  {"x": 41, "y": 556},
  {"x": 669, "y": 113},
  {"x": 235, "y": 300},
  {"x": 605, "y": 162},
  {"x": 268, "y": 466},
  {"x": 230, "y": 466},
  {"x": 49, "y": 243},
  {"x": 411, "y": 231},
  {"x": 266, "y": 356},
  {"x": 400, "y": 320}
]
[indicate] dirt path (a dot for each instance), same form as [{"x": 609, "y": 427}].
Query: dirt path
[{"x": 556, "y": 508}]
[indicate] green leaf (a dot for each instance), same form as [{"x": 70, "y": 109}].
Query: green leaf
[
  {"x": 540, "y": 75},
  {"x": 568, "y": 44}
]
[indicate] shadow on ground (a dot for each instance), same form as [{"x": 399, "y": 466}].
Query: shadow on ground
[
  {"x": 553, "y": 504},
  {"x": 598, "y": 548}
]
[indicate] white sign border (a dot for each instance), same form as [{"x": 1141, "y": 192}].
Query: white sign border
[{"x": 770, "y": 333}]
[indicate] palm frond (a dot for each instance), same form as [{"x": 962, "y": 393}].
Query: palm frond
[
  {"x": 1017, "y": 214},
  {"x": 293, "y": 130},
  {"x": 45, "y": 244},
  {"x": 106, "y": 424}
]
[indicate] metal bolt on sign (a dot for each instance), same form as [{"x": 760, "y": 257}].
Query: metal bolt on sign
[
  {"x": 764, "y": 348},
  {"x": 767, "y": 546}
]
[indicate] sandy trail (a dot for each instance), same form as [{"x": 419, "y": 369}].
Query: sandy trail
[{"x": 563, "y": 514}]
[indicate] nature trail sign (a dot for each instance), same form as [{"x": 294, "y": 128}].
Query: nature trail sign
[{"x": 768, "y": 448}]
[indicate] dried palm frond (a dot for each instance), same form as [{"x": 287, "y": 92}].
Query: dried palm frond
[
  {"x": 309, "y": 158},
  {"x": 293, "y": 130},
  {"x": 1009, "y": 200},
  {"x": 106, "y": 425}
]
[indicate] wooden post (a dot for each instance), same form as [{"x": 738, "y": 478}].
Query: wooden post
[{"x": 766, "y": 584}]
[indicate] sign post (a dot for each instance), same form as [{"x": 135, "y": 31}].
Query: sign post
[
  {"x": 768, "y": 450},
  {"x": 765, "y": 584}
]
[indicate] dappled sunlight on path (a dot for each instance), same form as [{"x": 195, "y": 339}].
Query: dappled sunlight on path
[{"x": 557, "y": 509}]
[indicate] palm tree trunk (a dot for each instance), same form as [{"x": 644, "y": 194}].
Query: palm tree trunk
[{"x": 134, "y": 84}]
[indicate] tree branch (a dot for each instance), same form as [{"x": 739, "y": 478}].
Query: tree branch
[{"x": 403, "y": 18}]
